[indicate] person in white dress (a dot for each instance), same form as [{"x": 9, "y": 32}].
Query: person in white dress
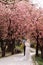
[{"x": 27, "y": 51}]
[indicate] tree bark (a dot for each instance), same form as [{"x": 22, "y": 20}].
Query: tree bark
[
  {"x": 3, "y": 48},
  {"x": 42, "y": 52},
  {"x": 8, "y": 44},
  {"x": 37, "y": 47},
  {"x": 12, "y": 46},
  {"x": 3, "y": 52}
]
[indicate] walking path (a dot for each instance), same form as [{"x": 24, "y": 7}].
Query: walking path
[{"x": 18, "y": 59}]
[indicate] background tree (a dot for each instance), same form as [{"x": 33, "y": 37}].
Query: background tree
[
  {"x": 3, "y": 27},
  {"x": 21, "y": 20},
  {"x": 37, "y": 27}
]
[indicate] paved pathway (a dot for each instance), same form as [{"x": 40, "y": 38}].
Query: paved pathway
[{"x": 18, "y": 59}]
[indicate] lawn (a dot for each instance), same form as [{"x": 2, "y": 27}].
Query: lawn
[
  {"x": 38, "y": 60},
  {"x": 20, "y": 48}
]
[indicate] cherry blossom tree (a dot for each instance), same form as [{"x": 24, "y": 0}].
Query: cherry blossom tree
[
  {"x": 3, "y": 26},
  {"x": 4, "y": 23},
  {"x": 37, "y": 32},
  {"x": 21, "y": 20}
]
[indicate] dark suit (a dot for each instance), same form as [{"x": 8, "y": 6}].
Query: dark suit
[{"x": 24, "y": 49}]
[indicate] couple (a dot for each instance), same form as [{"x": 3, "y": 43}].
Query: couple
[{"x": 26, "y": 48}]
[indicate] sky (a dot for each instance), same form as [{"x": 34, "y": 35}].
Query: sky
[{"x": 38, "y": 2}]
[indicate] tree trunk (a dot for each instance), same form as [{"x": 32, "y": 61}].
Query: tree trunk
[
  {"x": 42, "y": 52},
  {"x": 37, "y": 46},
  {"x": 3, "y": 48},
  {"x": 12, "y": 46},
  {"x": 37, "y": 50},
  {"x": 8, "y": 44},
  {"x": 3, "y": 52}
]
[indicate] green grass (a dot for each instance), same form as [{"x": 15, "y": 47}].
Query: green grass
[
  {"x": 20, "y": 47},
  {"x": 38, "y": 59}
]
